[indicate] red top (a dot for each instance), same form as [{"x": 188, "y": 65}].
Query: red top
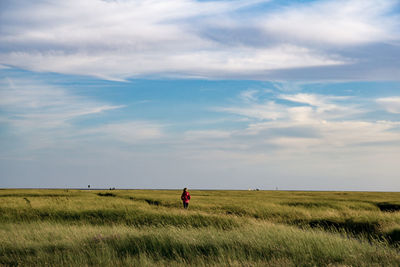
[{"x": 185, "y": 197}]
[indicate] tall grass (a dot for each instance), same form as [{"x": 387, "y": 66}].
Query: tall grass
[
  {"x": 40, "y": 243},
  {"x": 149, "y": 227}
]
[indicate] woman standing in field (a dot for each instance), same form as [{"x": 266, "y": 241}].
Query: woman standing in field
[{"x": 185, "y": 198}]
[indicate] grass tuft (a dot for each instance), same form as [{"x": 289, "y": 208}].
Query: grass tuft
[{"x": 388, "y": 207}]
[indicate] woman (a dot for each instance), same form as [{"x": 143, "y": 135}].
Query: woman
[{"x": 185, "y": 198}]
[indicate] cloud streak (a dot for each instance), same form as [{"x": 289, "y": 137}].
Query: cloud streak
[
  {"x": 351, "y": 23},
  {"x": 42, "y": 106},
  {"x": 47, "y": 116},
  {"x": 390, "y": 104},
  {"x": 316, "y": 124},
  {"x": 118, "y": 40}
]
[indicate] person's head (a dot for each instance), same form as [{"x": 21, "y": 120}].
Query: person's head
[{"x": 184, "y": 189}]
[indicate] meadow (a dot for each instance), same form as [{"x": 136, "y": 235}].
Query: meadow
[{"x": 40, "y": 227}]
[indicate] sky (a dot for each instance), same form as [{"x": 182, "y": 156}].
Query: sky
[{"x": 288, "y": 95}]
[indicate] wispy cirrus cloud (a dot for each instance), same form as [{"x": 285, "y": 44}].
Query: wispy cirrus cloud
[
  {"x": 37, "y": 105},
  {"x": 45, "y": 115},
  {"x": 328, "y": 123},
  {"x": 335, "y": 23},
  {"x": 117, "y": 40},
  {"x": 332, "y": 107},
  {"x": 262, "y": 111},
  {"x": 198, "y": 62}
]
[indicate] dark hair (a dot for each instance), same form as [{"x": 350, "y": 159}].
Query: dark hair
[{"x": 184, "y": 189}]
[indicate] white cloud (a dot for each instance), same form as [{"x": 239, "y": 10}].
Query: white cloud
[
  {"x": 45, "y": 116},
  {"x": 302, "y": 114},
  {"x": 311, "y": 99},
  {"x": 196, "y": 62},
  {"x": 326, "y": 125},
  {"x": 324, "y": 104},
  {"x": 32, "y": 105},
  {"x": 335, "y": 22},
  {"x": 320, "y": 107},
  {"x": 249, "y": 95},
  {"x": 332, "y": 135},
  {"x": 117, "y": 40},
  {"x": 390, "y": 104}
]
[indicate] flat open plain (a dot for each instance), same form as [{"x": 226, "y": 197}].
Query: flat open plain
[{"x": 41, "y": 227}]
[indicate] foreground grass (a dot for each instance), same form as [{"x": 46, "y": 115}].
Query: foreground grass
[
  {"x": 143, "y": 227},
  {"x": 257, "y": 243}
]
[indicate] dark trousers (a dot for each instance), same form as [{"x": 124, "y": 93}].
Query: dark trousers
[{"x": 185, "y": 205}]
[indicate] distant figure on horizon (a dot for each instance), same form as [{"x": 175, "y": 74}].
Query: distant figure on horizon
[{"x": 185, "y": 198}]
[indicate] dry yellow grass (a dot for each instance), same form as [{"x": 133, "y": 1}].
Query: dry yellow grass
[{"x": 149, "y": 227}]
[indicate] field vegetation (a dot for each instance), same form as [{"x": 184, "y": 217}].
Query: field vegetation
[{"x": 234, "y": 228}]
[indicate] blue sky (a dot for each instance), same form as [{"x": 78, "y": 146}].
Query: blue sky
[{"x": 202, "y": 94}]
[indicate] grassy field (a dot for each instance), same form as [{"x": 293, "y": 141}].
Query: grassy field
[{"x": 234, "y": 228}]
